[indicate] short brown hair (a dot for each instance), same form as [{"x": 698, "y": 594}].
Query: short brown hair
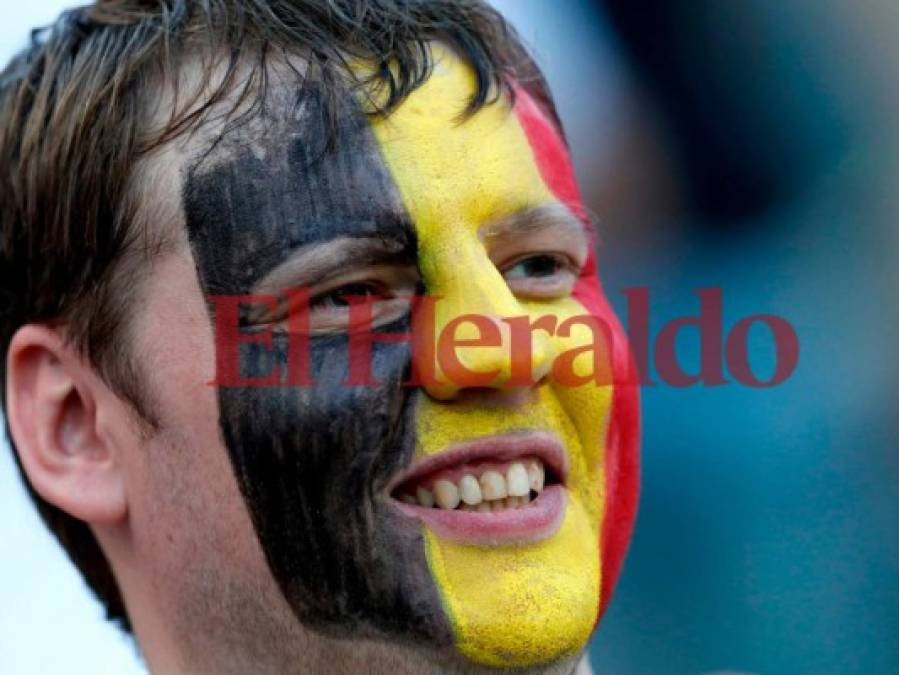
[{"x": 72, "y": 131}]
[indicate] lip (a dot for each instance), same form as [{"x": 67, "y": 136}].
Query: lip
[{"x": 539, "y": 520}]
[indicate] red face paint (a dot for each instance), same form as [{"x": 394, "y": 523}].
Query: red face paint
[{"x": 622, "y": 469}]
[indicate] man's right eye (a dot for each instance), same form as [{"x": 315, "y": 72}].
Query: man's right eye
[
  {"x": 388, "y": 291},
  {"x": 338, "y": 298}
]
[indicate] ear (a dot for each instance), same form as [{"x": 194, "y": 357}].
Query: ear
[{"x": 58, "y": 409}]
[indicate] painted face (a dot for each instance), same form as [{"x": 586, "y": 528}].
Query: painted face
[{"x": 483, "y": 214}]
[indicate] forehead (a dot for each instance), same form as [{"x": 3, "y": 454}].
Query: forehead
[
  {"x": 418, "y": 177},
  {"x": 277, "y": 185},
  {"x": 457, "y": 177}
]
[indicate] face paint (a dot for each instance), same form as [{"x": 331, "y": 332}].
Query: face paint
[
  {"x": 621, "y": 460},
  {"x": 509, "y": 605},
  {"x": 314, "y": 463},
  {"x": 310, "y": 461}
]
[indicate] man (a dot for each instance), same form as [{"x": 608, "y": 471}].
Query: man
[{"x": 235, "y": 238}]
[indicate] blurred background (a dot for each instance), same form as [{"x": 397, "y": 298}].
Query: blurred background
[{"x": 751, "y": 146}]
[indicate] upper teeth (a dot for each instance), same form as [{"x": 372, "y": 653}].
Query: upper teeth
[
  {"x": 447, "y": 494},
  {"x": 491, "y": 491},
  {"x": 470, "y": 490},
  {"x": 517, "y": 481},
  {"x": 493, "y": 485}
]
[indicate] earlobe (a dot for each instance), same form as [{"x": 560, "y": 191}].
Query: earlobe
[{"x": 53, "y": 407}]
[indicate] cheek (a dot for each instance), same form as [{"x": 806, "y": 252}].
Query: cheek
[
  {"x": 622, "y": 439},
  {"x": 197, "y": 549},
  {"x": 189, "y": 525},
  {"x": 582, "y": 392},
  {"x": 188, "y": 511},
  {"x": 175, "y": 349},
  {"x": 184, "y": 505},
  {"x": 311, "y": 463}
]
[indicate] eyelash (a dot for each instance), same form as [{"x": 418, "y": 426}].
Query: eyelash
[
  {"x": 538, "y": 283},
  {"x": 350, "y": 289},
  {"x": 562, "y": 262}
]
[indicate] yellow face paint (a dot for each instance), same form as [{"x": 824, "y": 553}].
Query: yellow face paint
[{"x": 508, "y": 605}]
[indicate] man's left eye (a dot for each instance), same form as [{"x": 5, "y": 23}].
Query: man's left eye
[
  {"x": 535, "y": 266},
  {"x": 541, "y": 276}
]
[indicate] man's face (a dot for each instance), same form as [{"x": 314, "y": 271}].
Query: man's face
[{"x": 339, "y": 480}]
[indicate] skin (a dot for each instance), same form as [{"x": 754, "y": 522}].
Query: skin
[{"x": 252, "y": 529}]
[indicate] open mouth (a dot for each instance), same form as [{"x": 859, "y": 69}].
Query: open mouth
[{"x": 496, "y": 490}]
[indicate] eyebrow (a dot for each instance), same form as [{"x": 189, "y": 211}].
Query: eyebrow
[
  {"x": 553, "y": 216},
  {"x": 315, "y": 262}
]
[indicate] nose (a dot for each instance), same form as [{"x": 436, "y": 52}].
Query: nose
[{"x": 483, "y": 336}]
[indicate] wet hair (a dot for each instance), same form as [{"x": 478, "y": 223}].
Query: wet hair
[{"x": 73, "y": 130}]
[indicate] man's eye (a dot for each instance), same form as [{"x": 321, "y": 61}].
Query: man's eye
[
  {"x": 544, "y": 276},
  {"x": 388, "y": 297},
  {"x": 535, "y": 266},
  {"x": 337, "y": 299}
]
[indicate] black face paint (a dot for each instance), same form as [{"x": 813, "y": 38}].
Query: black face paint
[{"x": 312, "y": 462}]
